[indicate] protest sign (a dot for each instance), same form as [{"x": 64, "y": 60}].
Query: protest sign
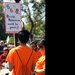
[{"x": 12, "y": 17}]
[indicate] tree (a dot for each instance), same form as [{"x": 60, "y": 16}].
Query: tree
[
  {"x": 2, "y": 27},
  {"x": 35, "y": 16}
]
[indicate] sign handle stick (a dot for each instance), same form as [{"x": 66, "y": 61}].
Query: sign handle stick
[{"x": 14, "y": 40}]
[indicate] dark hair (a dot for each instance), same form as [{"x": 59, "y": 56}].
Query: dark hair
[
  {"x": 31, "y": 35},
  {"x": 41, "y": 43},
  {"x": 34, "y": 42},
  {"x": 23, "y": 36}
]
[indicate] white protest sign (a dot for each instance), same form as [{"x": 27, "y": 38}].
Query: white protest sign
[{"x": 12, "y": 17}]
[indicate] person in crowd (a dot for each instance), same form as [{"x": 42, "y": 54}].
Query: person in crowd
[
  {"x": 4, "y": 55},
  {"x": 41, "y": 46},
  {"x": 40, "y": 64},
  {"x": 22, "y": 59},
  {"x": 30, "y": 40},
  {"x": 1, "y": 46},
  {"x": 5, "y": 44},
  {"x": 33, "y": 45}
]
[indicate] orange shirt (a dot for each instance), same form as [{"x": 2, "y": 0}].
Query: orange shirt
[
  {"x": 42, "y": 51},
  {"x": 40, "y": 65},
  {"x": 38, "y": 54},
  {"x": 24, "y": 53}
]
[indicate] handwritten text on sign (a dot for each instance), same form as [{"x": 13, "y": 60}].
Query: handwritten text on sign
[{"x": 12, "y": 17}]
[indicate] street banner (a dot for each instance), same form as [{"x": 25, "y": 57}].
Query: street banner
[{"x": 12, "y": 17}]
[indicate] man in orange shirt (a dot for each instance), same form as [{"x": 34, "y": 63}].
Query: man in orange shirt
[
  {"x": 41, "y": 46},
  {"x": 33, "y": 45},
  {"x": 22, "y": 59},
  {"x": 40, "y": 64}
]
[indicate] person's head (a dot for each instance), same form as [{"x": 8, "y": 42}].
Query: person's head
[
  {"x": 41, "y": 43},
  {"x": 5, "y": 50},
  {"x": 23, "y": 36},
  {"x": 5, "y": 44},
  {"x": 33, "y": 44},
  {"x": 2, "y": 43}
]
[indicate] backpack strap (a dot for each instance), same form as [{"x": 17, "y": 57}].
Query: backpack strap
[
  {"x": 20, "y": 58},
  {"x": 29, "y": 57}
]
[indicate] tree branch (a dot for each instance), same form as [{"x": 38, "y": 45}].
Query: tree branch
[
  {"x": 32, "y": 22},
  {"x": 41, "y": 18}
]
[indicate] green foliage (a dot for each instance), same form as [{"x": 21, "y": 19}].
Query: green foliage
[
  {"x": 2, "y": 28},
  {"x": 39, "y": 29},
  {"x": 3, "y": 35},
  {"x": 1, "y": 7},
  {"x": 27, "y": 27},
  {"x": 11, "y": 40},
  {"x": 35, "y": 18}
]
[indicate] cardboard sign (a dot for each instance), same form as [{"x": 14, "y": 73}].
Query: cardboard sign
[{"x": 12, "y": 17}]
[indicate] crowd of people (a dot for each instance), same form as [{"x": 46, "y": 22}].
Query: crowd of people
[
  {"x": 24, "y": 59},
  {"x": 4, "y": 50}
]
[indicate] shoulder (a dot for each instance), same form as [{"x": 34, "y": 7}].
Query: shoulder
[
  {"x": 42, "y": 58},
  {"x": 12, "y": 50},
  {"x": 1, "y": 55},
  {"x": 34, "y": 52}
]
